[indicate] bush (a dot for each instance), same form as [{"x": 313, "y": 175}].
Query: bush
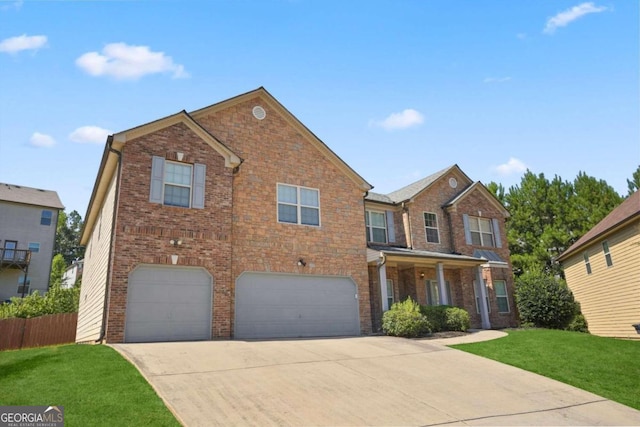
[
  {"x": 446, "y": 318},
  {"x": 405, "y": 320},
  {"x": 57, "y": 300},
  {"x": 545, "y": 301},
  {"x": 578, "y": 324}
]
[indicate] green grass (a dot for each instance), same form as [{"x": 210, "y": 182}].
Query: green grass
[
  {"x": 95, "y": 385},
  {"x": 605, "y": 366}
]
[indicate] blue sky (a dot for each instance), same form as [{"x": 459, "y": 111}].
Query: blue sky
[{"x": 398, "y": 89}]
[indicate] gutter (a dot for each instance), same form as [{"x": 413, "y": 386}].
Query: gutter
[{"x": 103, "y": 329}]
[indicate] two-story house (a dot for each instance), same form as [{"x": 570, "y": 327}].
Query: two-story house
[
  {"x": 236, "y": 221},
  {"x": 440, "y": 241},
  {"x": 28, "y": 220}
]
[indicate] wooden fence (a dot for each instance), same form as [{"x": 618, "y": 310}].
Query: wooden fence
[{"x": 38, "y": 332}]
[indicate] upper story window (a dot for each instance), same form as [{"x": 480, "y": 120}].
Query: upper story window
[
  {"x": 431, "y": 227},
  {"x": 587, "y": 264},
  {"x": 607, "y": 253},
  {"x": 34, "y": 247},
  {"x": 177, "y": 184},
  {"x": 481, "y": 231},
  {"x": 298, "y": 205},
  {"x": 45, "y": 218},
  {"x": 376, "y": 223}
]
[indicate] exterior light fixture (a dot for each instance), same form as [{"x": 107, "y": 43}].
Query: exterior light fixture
[
  {"x": 301, "y": 263},
  {"x": 175, "y": 242}
]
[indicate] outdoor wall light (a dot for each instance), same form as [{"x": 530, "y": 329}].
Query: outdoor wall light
[
  {"x": 175, "y": 242},
  {"x": 301, "y": 263},
  {"x": 422, "y": 275}
]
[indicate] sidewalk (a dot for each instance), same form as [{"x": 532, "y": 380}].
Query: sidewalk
[{"x": 474, "y": 335}]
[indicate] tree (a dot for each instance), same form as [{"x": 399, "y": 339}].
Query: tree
[
  {"x": 497, "y": 190},
  {"x": 68, "y": 236},
  {"x": 58, "y": 267},
  {"x": 634, "y": 182},
  {"x": 545, "y": 301}
]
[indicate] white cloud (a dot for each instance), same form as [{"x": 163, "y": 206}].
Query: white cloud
[
  {"x": 406, "y": 119},
  {"x": 41, "y": 140},
  {"x": 563, "y": 19},
  {"x": 512, "y": 166},
  {"x": 14, "y": 5},
  {"x": 23, "y": 42},
  {"x": 89, "y": 134},
  {"x": 521, "y": 36},
  {"x": 496, "y": 79},
  {"x": 127, "y": 62}
]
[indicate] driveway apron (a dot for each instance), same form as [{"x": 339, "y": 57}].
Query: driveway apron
[{"x": 363, "y": 381}]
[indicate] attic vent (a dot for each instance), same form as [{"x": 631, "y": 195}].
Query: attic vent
[
  {"x": 453, "y": 183},
  {"x": 259, "y": 113}
]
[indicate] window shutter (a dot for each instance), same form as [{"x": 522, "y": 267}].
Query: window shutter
[
  {"x": 391, "y": 232},
  {"x": 199, "y": 174},
  {"x": 467, "y": 231},
  {"x": 157, "y": 179},
  {"x": 496, "y": 233}
]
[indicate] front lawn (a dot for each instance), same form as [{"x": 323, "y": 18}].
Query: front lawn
[
  {"x": 605, "y": 366},
  {"x": 94, "y": 384}
]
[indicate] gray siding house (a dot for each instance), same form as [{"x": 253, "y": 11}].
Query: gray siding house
[{"x": 28, "y": 219}]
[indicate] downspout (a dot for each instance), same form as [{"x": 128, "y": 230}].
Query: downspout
[
  {"x": 405, "y": 209},
  {"x": 103, "y": 329}
]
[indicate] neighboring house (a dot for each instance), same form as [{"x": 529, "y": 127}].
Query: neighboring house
[
  {"x": 603, "y": 271},
  {"x": 72, "y": 274},
  {"x": 28, "y": 220},
  {"x": 440, "y": 241},
  {"x": 235, "y": 221}
]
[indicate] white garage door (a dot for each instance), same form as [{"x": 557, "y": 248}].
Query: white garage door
[
  {"x": 167, "y": 303},
  {"x": 272, "y": 305}
]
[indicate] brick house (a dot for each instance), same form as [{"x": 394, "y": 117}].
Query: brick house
[
  {"x": 439, "y": 241},
  {"x": 235, "y": 221}
]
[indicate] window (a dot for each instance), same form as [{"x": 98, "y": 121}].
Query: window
[
  {"x": 34, "y": 247},
  {"x": 376, "y": 226},
  {"x": 389, "y": 293},
  {"x": 45, "y": 218},
  {"x": 607, "y": 254},
  {"x": 431, "y": 227},
  {"x": 22, "y": 289},
  {"x": 10, "y": 247},
  {"x": 177, "y": 184},
  {"x": 298, "y": 205},
  {"x": 481, "y": 231},
  {"x": 500, "y": 288},
  {"x": 587, "y": 264},
  {"x": 475, "y": 290},
  {"x": 433, "y": 292}
]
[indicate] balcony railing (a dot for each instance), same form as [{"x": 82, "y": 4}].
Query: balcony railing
[{"x": 17, "y": 257}]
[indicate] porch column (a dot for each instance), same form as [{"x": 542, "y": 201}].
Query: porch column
[
  {"x": 481, "y": 290},
  {"x": 382, "y": 274},
  {"x": 441, "y": 284}
]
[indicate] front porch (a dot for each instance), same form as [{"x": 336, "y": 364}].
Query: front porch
[{"x": 433, "y": 278}]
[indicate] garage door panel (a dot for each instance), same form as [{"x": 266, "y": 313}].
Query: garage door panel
[
  {"x": 166, "y": 303},
  {"x": 287, "y": 305}
]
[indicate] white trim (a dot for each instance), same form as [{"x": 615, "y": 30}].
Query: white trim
[
  {"x": 298, "y": 205},
  {"x": 441, "y": 284},
  {"x": 437, "y": 227},
  {"x": 165, "y": 183},
  {"x": 368, "y": 227},
  {"x": 505, "y": 296}
]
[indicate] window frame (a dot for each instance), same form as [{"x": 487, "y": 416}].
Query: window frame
[
  {"x": 429, "y": 227},
  {"x": 369, "y": 226},
  {"x": 46, "y": 217},
  {"x": 298, "y": 205},
  {"x": 480, "y": 233},
  {"x": 587, "y": 263},
  {"x": 504, "y": 296},
  {"x": 390, "y": 299},
  {"x": 607, "y": 254},
  {"x": 166, "y": 183},
  {"x": 34, "y": 245},
  {"x": 20, "y": 289},
  {"x": 13, "y": 250}
]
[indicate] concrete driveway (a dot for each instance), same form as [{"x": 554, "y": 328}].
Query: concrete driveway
[{"x": 364, "y": 381}]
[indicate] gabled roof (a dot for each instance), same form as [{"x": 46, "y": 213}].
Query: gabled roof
[
  {"x": 230, "y": 159},
  {"x": 412, "y": 190},
  {"x": 377, "y": 197},
  {"x": 627, "y": 211},
  {"x": 29, "y": 196},
  {"x": 295, "y": 123},
  {"x": 478, "y": 186}
]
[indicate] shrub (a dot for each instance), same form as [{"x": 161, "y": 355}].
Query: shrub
[
  {"x": 446, "y": 318},
  {"x": 405, "y": 320},
  {"x": 545, "y": 301},
  {"x": 56, "y": 300},
  {"x": 578, "y": 324}
]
